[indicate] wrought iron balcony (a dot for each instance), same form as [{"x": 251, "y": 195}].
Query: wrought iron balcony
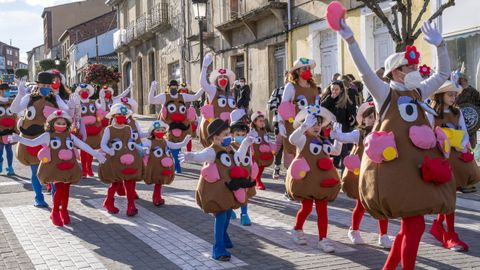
[
  {"x": 130, "y": 32},
  {"x": 141, "y": 25},
  {"x": 159, "y": 19}
]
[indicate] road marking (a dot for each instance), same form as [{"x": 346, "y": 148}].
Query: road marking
[
  {"x": 47, "y": 246},
  {"x": 9, "y": 183},
  {"x": 184, "y": 249},
  {"x": 273, "y": 230}
]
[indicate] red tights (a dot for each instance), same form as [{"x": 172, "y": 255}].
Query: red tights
[
  {"x": 60, "y": 198},
  {"x": 322, "y": 214},
  {"x": 86, "y": 160},
  {"x": 449, "y": 220},
  {"x": 405, "y": 246},
  {"x": 357, "y": 216},
  {"x": 258, "y": 179},
  {"x": 109, "y": 202}
]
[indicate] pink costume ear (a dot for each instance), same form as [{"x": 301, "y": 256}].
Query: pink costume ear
[
  {"x": 352, "y": 163},
  {"x": 273, "y": 146},
  {"x": 163, "y": 112},
  {"x": 443, "y": 142},
  {"x": 44, "y": 155},
  {"x": 210, "y": 172},
  {"x": 422, "y": 137},
  {"x": 207, "y": 112},
  {"x": 287, "y": 111},
  {"x": 47, "y": 110},
  {"x": 101, "y": 114},
  {"x": 191, "y": 114},
  {"x": 299, "y": 168},
  {"x": 380, "y": 146},
  {"x": 255, "y": 170}
]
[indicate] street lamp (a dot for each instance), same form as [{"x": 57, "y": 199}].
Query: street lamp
[
  {"x": 200, "y": 12},
  {"x": 57, "y": 61}
]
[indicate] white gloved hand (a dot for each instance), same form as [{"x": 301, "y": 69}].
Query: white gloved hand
[
  {"x": 111, "y": 152},
  {"x": 431, "y": 34},
  {"x": 282, "y": 131},
  {"x": 187, "y": 139},
  {"x": 345, "y": 31},
  {"x": 253, "y": 133},
  {"x": 22, "y": 89},
  {"x": 100, "y": 157},
  {"x": 153, "y": 86},
  {"x": 185, "y": 157},
  {"x": 207, "y": 60},
  {"x": 336, "y": 129},
  {"x": 310, "y": 121},
  {"x": 13, "y": 138}
]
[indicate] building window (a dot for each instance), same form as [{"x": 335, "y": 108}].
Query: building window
[
  {"x": 174, "y": 71},
  {"x": 328, "y": 56},
  {"x": 464, "y": 52},
  {"x": 279, "y": 55},
  {"x": 9, "y": 63},
  {"x": 383, "y": 46},
  {"x": 239, "y": 66},
  {"x": 9, "y": 51},
  {"x": 237, "y": 8}
]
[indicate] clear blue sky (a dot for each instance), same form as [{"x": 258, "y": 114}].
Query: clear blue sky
[{"x": 20, "y": 21}]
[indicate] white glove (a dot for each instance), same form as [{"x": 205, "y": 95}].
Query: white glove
[
  {"x": 153, "y": 86},
  {"x": 281, "y": 130},
  {"x": 431, "y": 34},
  {"x": 102, "y": 95},
  {"x": 74, "y": 100},
  {"x": 111, "y": 152},
  {"x": 207, "y": 60},
  {"x": 310, "y": 121},
  {"x": 250, "y": 139},
  {"x": 22, "y": 89},
  {"x": 185, "y": 157},
  {"x": 13, "y": 138},
  {"x": 187, "y": 139},
  {"x": 345, "y": 31},
  {"x": 100, "y": 157},
  {"x": 336, "y": 129},
  {"x": 253, "y": 133}
]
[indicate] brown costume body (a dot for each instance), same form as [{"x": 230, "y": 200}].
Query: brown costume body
[
  {"x": 28, "y": 155},
  {"x": 8, "y": 116},
  {"x": 466, "y": 173},
  {"x": 311, "y": 95},
  {"x": 262, "y": 159},
  {"x": 250, "y": 191},
  {"x": 217, "y": 110},
  {"x": 396, "y": 188},
  {"x": 155, "y": 172},
  {"x": 113, "y": 170},
  {"x": 95, "y": 131},
  {"x": 310, "y": 187},
  {"x": 349, "y": 179},
  {"x": 56, "y": 170},
  {"x": 180, "y": 110},
  {"x": 216, "y": 197}
]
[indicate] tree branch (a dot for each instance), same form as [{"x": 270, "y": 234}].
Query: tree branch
[
  {"x": 420, "y": 14},
  {"x": 395, "y": 18},
  {"x": 409, "y": 18},
  {"x": 435, "y": 15},
  {"x": 373, "y": 5}
]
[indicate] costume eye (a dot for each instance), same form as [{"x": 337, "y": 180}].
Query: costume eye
[
  {"x": 302, "y": 102},
  {"x": 258, "y": 140},
  {"x": 69, "y": 144},
  {"x": 407, "y": 108},
  {"x": 2, "y": 111},
  {"x": 92, "y": 108},
  {"x": 318, "y": 101},
  {"x": 231, "y": 103},
  {"x": 225, "y": 160},
  {"x": 315, "y": 149},
  {"x": 237, "y": 160},
  {"x": 327, "y": 148},
  {"x": 135, "y": 135},
  {"x": 158, "y": 152},
  {"x": 222, "y": 102},
  {"x": 131, "y": 146},
  {"x": 55, "y": 143},
  {"x": 31, "y": 112},
  {"x": 117, "y": 145},
  {"x": 9, "y": 112},
  {"x": 109, "y": 106},
  {"x": 182, "y": 109},
  {"x": 167, "y": 151},
  {"x": 171, "y": 108},
  {"x": 246, "y": 161},
  {"x": 84, "y": 109}
]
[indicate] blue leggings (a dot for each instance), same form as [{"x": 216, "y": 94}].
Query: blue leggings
[
  {"x": 175, "y": 152},
  {"x": 244, "y": 209},
  {"x": 37, "y": 187},
  {"x": 221, "y": 238},
  {"x": 8, "y": 149}
]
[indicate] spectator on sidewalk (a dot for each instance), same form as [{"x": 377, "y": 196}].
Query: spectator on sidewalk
[{"x": 242, "y": 94}]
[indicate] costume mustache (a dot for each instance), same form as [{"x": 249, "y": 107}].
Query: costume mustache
[
  {"x": 238, "y": 183},
  {"x": 179, "y": 125},
  {"x": 6, "y": 132},
  {"x": 32, "y": 130}
]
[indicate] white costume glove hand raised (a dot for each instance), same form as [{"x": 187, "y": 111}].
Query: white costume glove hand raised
[
  {"x": 253, "y": 133},
  {"x": 310, "y": 121},
  {"x": 282, "y": 131},
  {"x": 187, "y": 139},
  {"x": 207, "y": 61},
  {"x": 431, "y": 34},
  {"x": 345, "y": 31},
  {"x": 13, "y": 138},
  {"x": 153, "y": 86},
  {"x": 22, "y": 88},
  {"x": 336, "y": 129}
]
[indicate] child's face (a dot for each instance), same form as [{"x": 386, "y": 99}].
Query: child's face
[
  {"x": 260, "y": 122},
  {"x": 162, "y": 129},
  {"x": 369, "y": 121},
  {"x": 60, "y": 122},
  {"x": 218, "y": 139},
  {"x": 239, "y": 133},
  {"x": 449, "y": 98},
  {"x": 316, "y": 129}
]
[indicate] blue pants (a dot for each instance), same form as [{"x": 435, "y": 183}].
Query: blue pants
[
  {"x": 8, "y": 149},
  {"x": 175, "y": 152},
  {"x": 221, "y": 238},
  {"x": 244, "y": 209},
  {"x": 37, "y": 187}
]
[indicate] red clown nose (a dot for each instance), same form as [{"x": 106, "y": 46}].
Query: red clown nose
[
  {"x": 177, "y": 117},
  {"x": 238, "y": 172},
  {"x": 325, "y": 164}
]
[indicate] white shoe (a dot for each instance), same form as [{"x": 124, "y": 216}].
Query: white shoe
[
  {"x": 299, "y": 237},
  {"x": 355, "y": 237},
  {"x": 326, "y": 246},
  {"x": 384, "y": 241}
]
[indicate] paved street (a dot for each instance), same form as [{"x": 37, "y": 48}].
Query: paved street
[{"x": 179, "y": 235}]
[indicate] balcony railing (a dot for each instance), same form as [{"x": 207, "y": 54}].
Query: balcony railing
[
  {"x": 159, "y": 19},
  {"x": 141, "y": 25},
  {"x": 119, "y": 39},
  {"x": 130, "y": 32}
]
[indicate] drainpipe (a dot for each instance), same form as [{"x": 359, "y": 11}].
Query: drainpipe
[{"x": 289, "y": 33}]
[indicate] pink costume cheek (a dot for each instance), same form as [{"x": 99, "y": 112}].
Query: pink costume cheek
[
  {"x": 255, "y": 170},
  {"x": 443, "y": 142},
  {"x": 287, "y": 111},
  {"x": 299, "y": 168},
  {"x": 210, "y": 172},
  {"x": 422, "y": 137},
  {"x": 352, "y": 163},
  {"x": 191, "y": 114},
  {"x": 45, "y": 154},
  {"x": 380, "y": 146},
  {"x": 101, "y": 114},
  {"x": 163, "y": 112},
  {"x": 207, "y": 112}
]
